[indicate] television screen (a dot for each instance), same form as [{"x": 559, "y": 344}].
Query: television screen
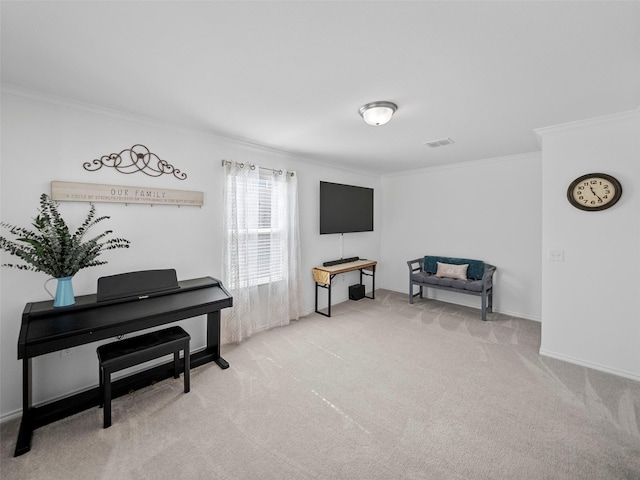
[{"x": 345, "y": 208}]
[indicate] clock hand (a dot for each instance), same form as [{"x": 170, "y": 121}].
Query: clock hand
[{"x": 594, "y": 192}]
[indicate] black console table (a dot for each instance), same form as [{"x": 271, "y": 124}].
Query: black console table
[{"x": 46, "y": 329}]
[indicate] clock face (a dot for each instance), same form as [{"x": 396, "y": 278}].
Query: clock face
[{"x": 594, "y": 191}]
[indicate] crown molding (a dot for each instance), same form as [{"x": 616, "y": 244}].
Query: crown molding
[
  {"x": 48, "y": 99},
  {"x": 588, "y": 122},
  {"x": 64, "y": 102},
  {"x": 537, "y": 155}
]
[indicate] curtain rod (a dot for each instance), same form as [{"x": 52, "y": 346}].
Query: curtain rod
[{"x": 252, "y": 166}]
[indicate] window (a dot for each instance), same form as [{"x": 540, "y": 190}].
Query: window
[
  {"x": 262, "y": 248},
  {"x": 259, "y": 236}
]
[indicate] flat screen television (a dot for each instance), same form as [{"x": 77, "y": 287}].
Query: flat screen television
[{"x": 345, "y": 208}]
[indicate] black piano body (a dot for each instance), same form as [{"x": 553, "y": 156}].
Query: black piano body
[{"x": 115, "y": 310}]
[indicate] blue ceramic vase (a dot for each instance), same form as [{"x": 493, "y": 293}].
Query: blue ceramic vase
[{"x": 64, "y": 292}]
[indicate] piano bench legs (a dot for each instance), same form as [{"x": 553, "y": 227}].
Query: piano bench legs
[{"x": 116, "y": 356}]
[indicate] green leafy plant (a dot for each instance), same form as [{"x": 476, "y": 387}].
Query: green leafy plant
[{"x": 52, "y": 249}]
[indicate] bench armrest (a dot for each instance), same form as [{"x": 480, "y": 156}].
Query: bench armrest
[
  {"x": 487, "y": 278},
  {"x": 415, "y": 265}
]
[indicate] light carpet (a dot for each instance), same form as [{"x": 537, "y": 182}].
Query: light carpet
[{"x": 381, "y": 390}]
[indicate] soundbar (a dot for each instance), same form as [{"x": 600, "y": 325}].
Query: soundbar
[{"x": 339, "y": 262}]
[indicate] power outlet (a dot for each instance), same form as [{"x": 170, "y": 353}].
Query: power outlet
[{"x": 556, "y": 255}]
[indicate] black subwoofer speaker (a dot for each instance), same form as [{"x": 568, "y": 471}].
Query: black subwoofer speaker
[{"x": 356, "y": 292}]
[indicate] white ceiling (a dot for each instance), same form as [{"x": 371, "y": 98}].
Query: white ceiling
[{"x": 292, "y": 75}]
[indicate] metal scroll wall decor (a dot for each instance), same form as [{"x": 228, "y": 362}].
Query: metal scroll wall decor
[{"x": 140, "y": 159}]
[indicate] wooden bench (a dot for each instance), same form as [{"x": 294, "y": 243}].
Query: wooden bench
[
  {"x": 476, "y": 278},
  {"x": 126, "y": 353}
]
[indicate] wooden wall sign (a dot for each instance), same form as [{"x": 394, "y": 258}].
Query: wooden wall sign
[{"x": 95, "y": 193}]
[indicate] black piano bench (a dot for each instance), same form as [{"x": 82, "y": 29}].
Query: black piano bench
[{"x": 126, "y": 353}]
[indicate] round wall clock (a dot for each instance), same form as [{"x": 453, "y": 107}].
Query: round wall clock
[{"x": 594, "y": 191}]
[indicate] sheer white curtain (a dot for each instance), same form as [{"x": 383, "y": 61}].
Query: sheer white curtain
[{"x": 261, "y": 256}]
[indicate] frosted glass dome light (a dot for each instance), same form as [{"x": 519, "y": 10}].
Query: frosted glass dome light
[{"x": 378, "y": 113}]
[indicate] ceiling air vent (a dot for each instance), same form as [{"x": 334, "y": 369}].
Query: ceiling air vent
[{"x": 439, "y": 143}]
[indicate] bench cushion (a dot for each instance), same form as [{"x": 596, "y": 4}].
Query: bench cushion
[
  {"x": 431, "y": 279},
  {"x": 474, "y": 272}
]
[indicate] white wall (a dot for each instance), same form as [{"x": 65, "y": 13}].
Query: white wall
[
  {"x": 591, "y": 301},
  {"x": 488, "y": 210},
  {"x": 46, "y": 139}
]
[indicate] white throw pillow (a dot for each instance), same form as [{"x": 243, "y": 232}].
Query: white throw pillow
[{"x": 452, "y": 271}]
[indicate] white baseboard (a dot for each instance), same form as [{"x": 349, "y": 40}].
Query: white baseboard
[
  {"x": 132, "y": 370},
  {"x": 594, "y": 366},
  {"x": 10, "y": 416},
  {"x": 18, "y": 413},
  {"x": 471, "y": 305}
]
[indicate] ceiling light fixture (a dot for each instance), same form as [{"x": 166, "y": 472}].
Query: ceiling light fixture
[{"x": 378, "y": 113}]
